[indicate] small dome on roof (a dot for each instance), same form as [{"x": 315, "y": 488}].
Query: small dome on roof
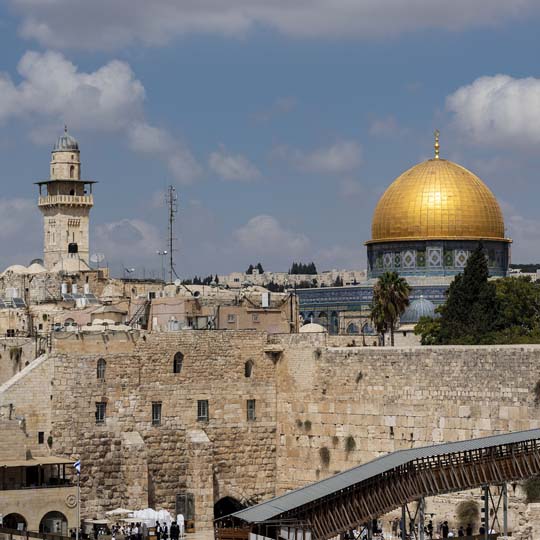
[
  {"x": 16, "y": 269},
  {"x": 66, "y": 143},
  {"x": 418, "y": 308},
  {"x": 311, "y": 328}
]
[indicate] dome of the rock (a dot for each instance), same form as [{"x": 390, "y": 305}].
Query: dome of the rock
[{"x": 431, "y": 218}]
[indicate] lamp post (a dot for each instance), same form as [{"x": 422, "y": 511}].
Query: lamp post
[{"x": 162, "y": 254}]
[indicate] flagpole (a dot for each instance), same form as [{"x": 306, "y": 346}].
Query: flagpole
[{"x": 78, "y": 505}]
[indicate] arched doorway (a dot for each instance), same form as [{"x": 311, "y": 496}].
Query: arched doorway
[
  {"x": 54, "y": 523},
  {"x": 226, "y": 506},
  {"x": 14, "y": 521}
]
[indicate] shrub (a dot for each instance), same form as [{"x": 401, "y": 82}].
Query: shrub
[
  {"x": 536, "y": 391},
  {"x": 307, "y": 425},
  {"x": 299, "y": 423},
  {"x": 531, "y": 487},
  {"x": 324, "y": 454},
  {"x": 335, "y": 440},
  {"x": 350, "y": 444},
  {"x": 359, "y": 377}
]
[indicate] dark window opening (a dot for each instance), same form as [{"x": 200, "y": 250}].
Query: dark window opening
[
  {"x": 101, "y": 410},
  {"x": 202, "y": 410},
  {"x": 251, "y": 409},
  {"x": 248, "y": 368},
  {"x": 101, "y": 366},
  {"x": 178, "y": 361},
  {"x": 156, "y": 413},
  {"x": 40, "y": 437}
]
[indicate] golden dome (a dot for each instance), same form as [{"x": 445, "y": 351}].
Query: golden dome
[{"x": 437, "y": 200}]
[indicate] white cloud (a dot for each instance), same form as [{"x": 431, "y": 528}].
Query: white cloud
[
  {"x": 341, "y": 157},
  {"x": 524, "y": 232},
  {"x": 128, "y": 240},
  {"x": 385, "y": 127},
  {"x": 20, "y": 231},
  {"x": 157, "y": 142},
  {"x": 53, "y": 92},
  {"x": 52, "y": 88},
  {"x": 232, "y": 166},
  {"x": 264, "y": 234},
  {"x": 102, "y": 24},
  {"x": 498, "y": 110}
]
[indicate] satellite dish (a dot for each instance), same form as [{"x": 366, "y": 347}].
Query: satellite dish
[
  {"x": 178, "y": 282},
  {"x": 97, "y": 258}
]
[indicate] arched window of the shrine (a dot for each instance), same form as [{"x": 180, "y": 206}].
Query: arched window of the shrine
[
  {"x": 178, "y": 362},
  {"x": 353, "y": 329},
  {"x": 248, "y": 368},
  {"x": 72, "y": 171},
  {"x": 101, "y": 366}
]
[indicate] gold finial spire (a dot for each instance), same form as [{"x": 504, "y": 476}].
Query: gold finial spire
[{"x": 437, "y": 146}]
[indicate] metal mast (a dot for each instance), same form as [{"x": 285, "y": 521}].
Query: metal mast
[{"x": 172, "y": 204}]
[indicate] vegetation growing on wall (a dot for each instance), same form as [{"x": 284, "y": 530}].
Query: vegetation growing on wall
[
  {"x": 350, "y": 444},
  {"x": 324, "y": 454},
  {"x": 532, "y": 489}
]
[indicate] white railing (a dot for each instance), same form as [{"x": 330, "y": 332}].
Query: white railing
[{"x": 66, "y": 199}]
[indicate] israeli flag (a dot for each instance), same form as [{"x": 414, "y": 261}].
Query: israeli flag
[{"x": 77, "y": 466}]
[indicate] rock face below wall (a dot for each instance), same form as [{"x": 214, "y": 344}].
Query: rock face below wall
[{"x": 311, "y": 393}]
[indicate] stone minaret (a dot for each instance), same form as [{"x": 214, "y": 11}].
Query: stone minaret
[{"x": 65, "y": 202}]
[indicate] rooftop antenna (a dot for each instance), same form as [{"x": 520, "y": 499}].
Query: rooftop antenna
[{"x": 172, "y": 206}]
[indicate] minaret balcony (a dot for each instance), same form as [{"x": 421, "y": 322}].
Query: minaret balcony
[{"x": 66, "y": 200}]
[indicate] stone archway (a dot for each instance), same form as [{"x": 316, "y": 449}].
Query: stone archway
[
  {"x": 226, "y": 506},
  {"x": 54, "y": 523},
  {"x": 15, "y": 521}
]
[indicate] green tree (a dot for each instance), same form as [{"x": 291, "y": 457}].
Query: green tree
[
  {"x": 390, "y": 298},
  {"x": 249, "y": 271},
  {"x": 429, "y": 329},
  {"x": 470, "y": 311},
  {"x": 260, "y": 268}
]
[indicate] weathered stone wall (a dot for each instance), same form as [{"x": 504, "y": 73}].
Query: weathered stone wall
[
  {"x": 158, "y": 459},
  {"x": 342, "y": 406},
  {"x": 312, "y": 392},
  {"x": 15, "y": 354}
]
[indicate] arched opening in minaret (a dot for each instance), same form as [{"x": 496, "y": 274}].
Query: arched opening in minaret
[
  {"x": 72, "y": 171},
  {"x": 72, "y": 192}
]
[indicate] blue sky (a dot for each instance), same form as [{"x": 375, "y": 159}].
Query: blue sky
[{"x": 279, "y": 123}]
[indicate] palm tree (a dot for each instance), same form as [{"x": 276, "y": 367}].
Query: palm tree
[{"x": 390, "y": 298}]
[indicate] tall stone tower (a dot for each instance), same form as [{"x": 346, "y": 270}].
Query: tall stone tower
[{"x": 65, "y": 202}]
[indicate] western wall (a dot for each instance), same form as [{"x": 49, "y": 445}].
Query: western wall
[{"x": 322, "y": 406}]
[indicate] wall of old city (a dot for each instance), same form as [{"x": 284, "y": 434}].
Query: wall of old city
[
  {"x": 341, "y": 406},
  {"x": 322, "y": 405},
  {"x": 129, "y": 462}
]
